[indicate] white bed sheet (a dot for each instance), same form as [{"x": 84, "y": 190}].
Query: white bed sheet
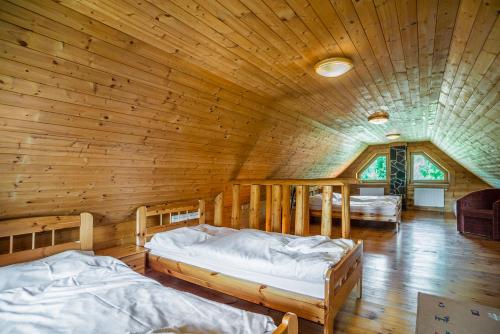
[
  {"x": 288, "y": 262},
  {"x": 387, "y": 205},
  {"x": 73, "y": 292}
]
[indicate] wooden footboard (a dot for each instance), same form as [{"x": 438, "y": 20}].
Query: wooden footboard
[
  {"x": 304, "y": 306},
  {"x": 340, "y": 281},
  {"x": 289, "y": 325}
]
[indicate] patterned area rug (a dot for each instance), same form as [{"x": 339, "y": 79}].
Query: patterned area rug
[{"x": 439, "y": 315}]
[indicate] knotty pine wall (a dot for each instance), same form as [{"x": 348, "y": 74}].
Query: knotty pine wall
[
  {"x": 92, "y": 119},
  {"x": 461, "y": 181}
]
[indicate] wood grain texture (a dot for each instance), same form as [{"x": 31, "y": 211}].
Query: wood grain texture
[
  {"x": 35, "y": 226},
  {"x": 428, "y": 255},
  {"x": 254, "y": 216},
  {"x": 461, "y": 181},
  {"x": 109, "y": 105}
]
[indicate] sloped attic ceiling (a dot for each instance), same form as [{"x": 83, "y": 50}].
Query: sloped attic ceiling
[
  {"x": 433, "y": 64},
  {"x": 108, "y": 105}
]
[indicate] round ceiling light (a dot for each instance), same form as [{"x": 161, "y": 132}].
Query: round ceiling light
[
  {"x": 333, "y": 67},
  {"x": 393, "y": 135},
  {"x": 379, "y": 117}
]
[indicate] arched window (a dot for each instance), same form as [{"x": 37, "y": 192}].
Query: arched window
[
  {"x": 424, "y": 169},
  {"x": 375, "y": 170}
]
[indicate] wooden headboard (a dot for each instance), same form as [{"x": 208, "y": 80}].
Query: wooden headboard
[
  {"x": 32, "y": 225},
  {"x": 167, "y": 214}
]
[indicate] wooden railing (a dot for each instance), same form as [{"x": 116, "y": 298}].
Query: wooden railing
[{"x": 278, "y": 210}]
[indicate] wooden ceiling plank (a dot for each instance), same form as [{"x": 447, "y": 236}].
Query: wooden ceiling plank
[
  {"x": 369, "y": 20},
  {"x": 480, "y": 64},
  {"x": 262, "y": 13},
  {"x": 113, "y": 37},
  {"x": 463, "y": 26},
  {"x": 136, "y": 31},
  {"x": 349, "y": 18},
  {"x": 276, "y": 63},
  {"x": 328, "y": 16},
  {"x": 479, "y": 31},
  {"x": 306, "y": 13}
]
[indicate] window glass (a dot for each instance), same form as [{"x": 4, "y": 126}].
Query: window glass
[
  {"x": 376, "y": 170},
  {"x": 426, "y": 170}
]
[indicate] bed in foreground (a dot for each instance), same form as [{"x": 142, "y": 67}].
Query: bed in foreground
[
  {"x": 77, "y": 292},
  {"x": 310, "y": 276}
]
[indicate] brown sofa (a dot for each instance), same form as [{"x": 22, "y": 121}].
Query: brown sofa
[{"x": 479, "y": 213}]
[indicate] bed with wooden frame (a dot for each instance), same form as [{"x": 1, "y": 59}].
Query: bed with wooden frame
[
  {"x": 340, "y": 279},
  {"x": 363, "y": 216},
  {"x": 33, "y": 225}
]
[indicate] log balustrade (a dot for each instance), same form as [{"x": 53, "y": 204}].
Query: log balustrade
[{"x": 278, "y": 204}]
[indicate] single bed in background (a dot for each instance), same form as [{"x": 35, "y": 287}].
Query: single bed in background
[
  {"x": 385, "y": 208},
  {"x": 309, "y": 276},
  {"x": 75, "y": 291}
]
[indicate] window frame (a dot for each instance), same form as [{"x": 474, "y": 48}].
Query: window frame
[
  {"x": 369, "y": 162},
  {"x": 432, "y": 160}
]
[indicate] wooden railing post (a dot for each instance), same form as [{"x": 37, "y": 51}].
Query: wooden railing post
[
  {"x": 141, "y": 226},
  {"x": 254, "y": 220},
  {"x": 276, "y": 214},
  {"x": 218, "y": 208},
  {"x": 201, "y": 211},
  {"x": 326, "y": 211},
  {"x": 285, "y": 207},
  {"x": 302, "y": 210},
  {"x": 269, "y": 208},
  {"x": 235, "y": 212},
  {"x": 346, "y": 214}
]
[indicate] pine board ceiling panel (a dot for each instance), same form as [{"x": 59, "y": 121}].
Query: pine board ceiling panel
[{"x": 433, "y": 64}]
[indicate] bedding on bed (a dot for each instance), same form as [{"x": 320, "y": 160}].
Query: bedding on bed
[
  {"x": 76, "y": 292},
  {"x": 253, "y": 254},
  {"x": 385, "y": 205}
]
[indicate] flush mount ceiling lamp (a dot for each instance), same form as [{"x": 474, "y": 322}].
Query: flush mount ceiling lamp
[
  {"x": 393, "y": 135},
  {"x": 379, "y": 117},
  {"x": 333, "y": 67}
]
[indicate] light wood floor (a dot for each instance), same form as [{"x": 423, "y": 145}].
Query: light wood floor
[{"x": 427, "y": 255}]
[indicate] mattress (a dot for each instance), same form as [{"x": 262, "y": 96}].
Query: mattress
[
  {"x": 74, "y": 292},
  {"x": 387, "y": 205},
  {"x": 292, "y": 263}
]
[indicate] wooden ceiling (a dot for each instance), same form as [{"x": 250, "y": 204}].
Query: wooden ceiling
[
  {"x": 433, "y": 64},
  {"x": 109, "y": 104}
]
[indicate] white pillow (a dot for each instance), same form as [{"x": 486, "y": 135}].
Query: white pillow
[{"x": 66, "y": 264}]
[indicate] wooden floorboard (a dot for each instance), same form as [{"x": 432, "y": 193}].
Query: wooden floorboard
[{"x": 427, "y": 255}]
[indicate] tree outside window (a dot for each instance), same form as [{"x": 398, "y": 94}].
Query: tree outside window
[
  {"x": 424, "y": 169},
  {"x": 376, "y": 170}
]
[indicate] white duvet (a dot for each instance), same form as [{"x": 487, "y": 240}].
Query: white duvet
[
  {"x": 75, "y": 292},
  {"x": 253, "y": 251},
  {"x": 387, "y": 205}
]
